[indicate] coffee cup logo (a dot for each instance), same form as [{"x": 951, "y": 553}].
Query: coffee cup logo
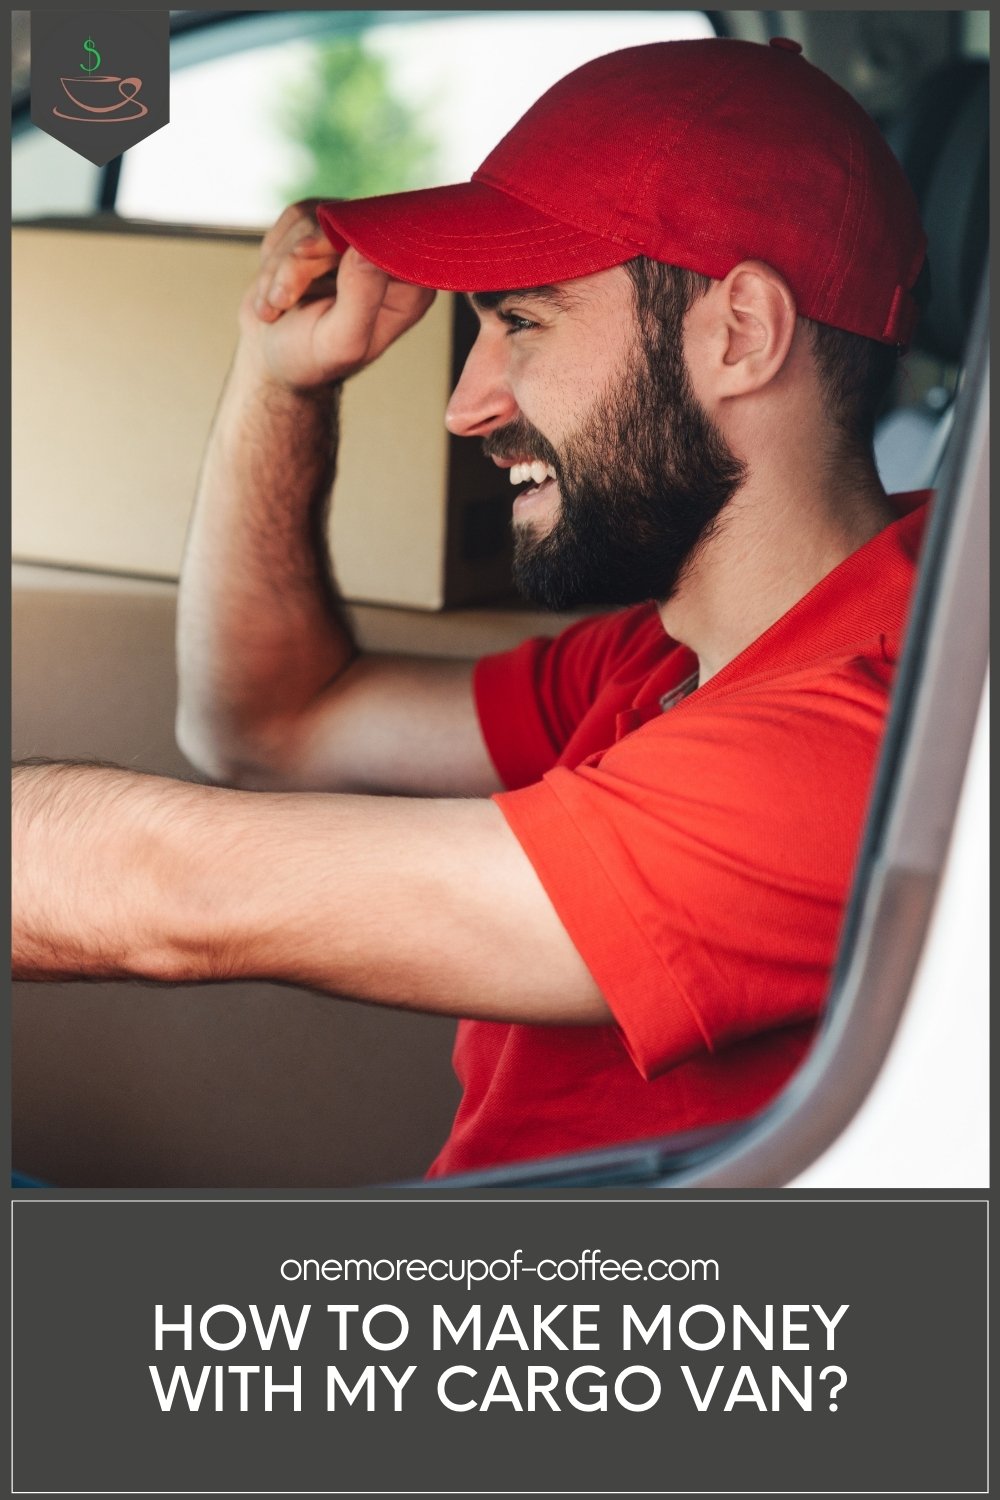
[
  {"x": 104, "y": 99},
  {"x": 105, "y": 68}
]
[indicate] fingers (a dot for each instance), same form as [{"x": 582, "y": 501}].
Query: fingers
[
  {"x": 294, "y": 254},
  {"x": 343, "y": 311},
  {"x": 323, "y": 286},
  {"x": 348, "y": 325},
  {"x": 370, "y": 312},
  {"x": 296, "y": 213},
  {"x": 288, "y": 275},
  {"x": 299, "y": 265}
]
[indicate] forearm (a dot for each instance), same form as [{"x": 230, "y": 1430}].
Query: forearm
[
  {"x": 259, "y": 633},
  {"x": 429, "y": 905},
  {"x": 92, "y": 888}
]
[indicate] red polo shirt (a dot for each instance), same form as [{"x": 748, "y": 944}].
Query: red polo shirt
[{"x": 698, "y": 847}]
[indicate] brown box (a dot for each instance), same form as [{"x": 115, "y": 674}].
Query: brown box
[{"x": 122, "y": 336}]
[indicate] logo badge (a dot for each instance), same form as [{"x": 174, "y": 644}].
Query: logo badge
[{"x": 100, "y": 79}]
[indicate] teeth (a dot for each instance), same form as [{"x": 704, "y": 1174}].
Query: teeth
[{"x": 536, "y": 471}]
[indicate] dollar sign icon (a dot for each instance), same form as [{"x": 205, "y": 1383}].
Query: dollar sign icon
[{"x": 88, "y": 46}]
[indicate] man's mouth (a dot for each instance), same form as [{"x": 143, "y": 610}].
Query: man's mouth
[
  {"x": 534, "y": 470},
  {"x": 537, "y": 475}
]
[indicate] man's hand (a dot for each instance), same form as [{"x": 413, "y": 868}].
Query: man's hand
[{"x": 315, "y": 317}]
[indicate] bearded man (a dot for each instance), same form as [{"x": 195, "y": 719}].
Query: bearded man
[{"x": 621, "y": 856}]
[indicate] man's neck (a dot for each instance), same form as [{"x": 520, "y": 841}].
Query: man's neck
[{"x": 771, "y": 546}]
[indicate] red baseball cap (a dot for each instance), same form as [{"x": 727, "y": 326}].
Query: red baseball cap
[{"x": 700, "y": 154}]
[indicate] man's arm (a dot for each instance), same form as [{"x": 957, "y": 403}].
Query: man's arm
[
  {"x": 273, "y": 692},
  {"x": 423, "y": 904}
]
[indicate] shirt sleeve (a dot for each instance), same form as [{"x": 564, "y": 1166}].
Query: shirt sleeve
[
  {"x": 701, "y": 866},
  {"x": 530, "y": 700}
]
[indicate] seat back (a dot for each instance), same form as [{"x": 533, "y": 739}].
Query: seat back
[{"x": 942, "y": 141}]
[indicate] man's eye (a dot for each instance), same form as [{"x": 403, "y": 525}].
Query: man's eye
[{"x": 515, "y": 323}]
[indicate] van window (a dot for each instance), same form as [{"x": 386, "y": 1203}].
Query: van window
[{"x": 412, "y": 103}]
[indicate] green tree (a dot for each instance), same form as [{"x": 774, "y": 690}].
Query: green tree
[{"x": 359, "y": 139}]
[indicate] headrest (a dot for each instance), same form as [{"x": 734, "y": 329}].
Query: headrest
[{"x": 941, "y": 139}]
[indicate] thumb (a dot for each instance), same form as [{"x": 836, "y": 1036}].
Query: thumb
[{"x": 346, "y": 328}]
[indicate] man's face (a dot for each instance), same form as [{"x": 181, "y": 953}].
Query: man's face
[{"x": 640, "y": 471}]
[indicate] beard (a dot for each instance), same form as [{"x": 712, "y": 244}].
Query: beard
[{"x": 642, "y": 486}]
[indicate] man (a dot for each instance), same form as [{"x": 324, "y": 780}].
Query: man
[{"x": 693, "y": 265}]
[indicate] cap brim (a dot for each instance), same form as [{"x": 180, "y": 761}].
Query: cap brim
[{"x": 469, "y": 237}]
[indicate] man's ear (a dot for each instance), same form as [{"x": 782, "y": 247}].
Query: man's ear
[{"x": 746, "y": 326}]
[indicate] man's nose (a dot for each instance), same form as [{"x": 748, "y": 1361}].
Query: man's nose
[{"x": 482, "y": 399}]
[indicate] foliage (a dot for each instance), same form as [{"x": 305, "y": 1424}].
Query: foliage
[{"x": 358, "y": 138}]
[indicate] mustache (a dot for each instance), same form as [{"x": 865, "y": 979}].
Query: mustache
[{"x": 517, "y": 439}]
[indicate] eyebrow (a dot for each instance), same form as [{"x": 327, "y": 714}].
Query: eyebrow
[{"x": 556, "y": 296}]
